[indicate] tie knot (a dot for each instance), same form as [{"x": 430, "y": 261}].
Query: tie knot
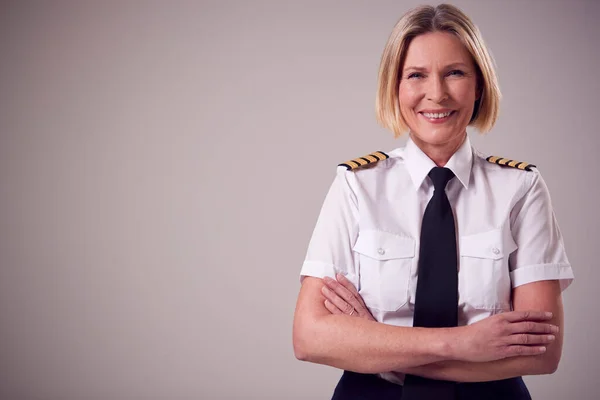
[{"x": 440, "y": 177}]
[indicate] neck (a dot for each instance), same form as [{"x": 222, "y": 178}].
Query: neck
[{"x": 440, "y": 154}]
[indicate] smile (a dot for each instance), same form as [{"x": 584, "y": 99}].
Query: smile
[{"x": 437, "y": 117}]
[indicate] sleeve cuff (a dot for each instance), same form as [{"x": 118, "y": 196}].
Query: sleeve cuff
[
  {"x": 543, "y": 272},
  {"x": 320, "y": 269}
]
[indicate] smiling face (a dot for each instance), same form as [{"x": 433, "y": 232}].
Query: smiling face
[{"x": 437, "y": 91}]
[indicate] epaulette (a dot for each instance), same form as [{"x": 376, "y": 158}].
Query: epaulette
[
  {"x": 510, "y": 163},
  {"x": 366, "y": 160}
]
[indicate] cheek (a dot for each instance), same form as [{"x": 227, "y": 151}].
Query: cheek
[
  {"x": 408, "y": 97},
  {"x": 465, "y": 94}
]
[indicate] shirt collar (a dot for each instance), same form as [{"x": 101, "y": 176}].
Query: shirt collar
[{"x": 419, "y": 164}]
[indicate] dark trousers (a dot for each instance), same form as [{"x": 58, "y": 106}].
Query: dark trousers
[{"x": 355, "y": 386}]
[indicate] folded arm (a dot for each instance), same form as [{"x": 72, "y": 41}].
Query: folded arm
[
  {"x": 542, "y": 295},
  {"x": 358, "y": 344},
  {"x": 324, "y": 336}
]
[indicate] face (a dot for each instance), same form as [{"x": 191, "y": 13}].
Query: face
[{"x": 437, "y": 89}]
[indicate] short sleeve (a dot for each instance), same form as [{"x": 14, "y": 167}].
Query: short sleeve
[
  {"x": 330, "y": 248},
  {"x": 541, "y": 254}
]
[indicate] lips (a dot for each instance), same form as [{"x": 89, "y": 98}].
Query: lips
[{"x": 437, "y": 116}]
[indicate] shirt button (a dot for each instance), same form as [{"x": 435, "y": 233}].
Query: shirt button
[
  {"x": 496, "y": 250},
  {"x": 381, "y": 251}
]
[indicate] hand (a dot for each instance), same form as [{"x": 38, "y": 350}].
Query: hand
[
  {"x": 510, "y": 334},
  {"x": 341, "y": 297}
]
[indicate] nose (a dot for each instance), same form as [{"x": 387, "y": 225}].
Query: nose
[{"x": 436, "y": 90}]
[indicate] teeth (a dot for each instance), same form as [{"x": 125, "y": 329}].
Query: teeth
[{"x": 437, "y": 115}]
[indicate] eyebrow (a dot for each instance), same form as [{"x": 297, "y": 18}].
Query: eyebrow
[{"x": 449, "y": 66}]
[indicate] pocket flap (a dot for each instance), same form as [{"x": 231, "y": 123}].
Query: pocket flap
[
  {"x": 486, "y": 245},
  {"x": 384, "y": 245}
]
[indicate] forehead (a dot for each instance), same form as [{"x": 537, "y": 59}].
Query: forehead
[{"x": 436, "y": 48}]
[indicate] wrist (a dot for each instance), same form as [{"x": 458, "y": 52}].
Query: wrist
[{"x": 451, "y": 343}]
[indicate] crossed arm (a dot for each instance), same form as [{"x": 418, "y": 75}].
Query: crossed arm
[
  {"x": 543, "y": 295},
  {"x": 499, "y": 347}
]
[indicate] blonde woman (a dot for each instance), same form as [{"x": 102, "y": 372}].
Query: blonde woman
[{"x": 434, "y": 272}]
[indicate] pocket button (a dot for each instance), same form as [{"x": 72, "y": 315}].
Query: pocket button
[
  {"x": 495, "y": 250},
  {"x": 381, "y": 251}
]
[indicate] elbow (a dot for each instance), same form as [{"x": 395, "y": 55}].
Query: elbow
[
  {"x": 303, "y": 341},
  {"x": 300, "y": 345},
  {"x": 547, "y": 365},
  {"x": 301, "y": 349}
]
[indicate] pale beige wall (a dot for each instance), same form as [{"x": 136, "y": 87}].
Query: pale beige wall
[{"x": 162, "y": 165}]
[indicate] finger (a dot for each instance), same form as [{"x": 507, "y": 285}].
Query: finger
[
  {"x": 517, "y": 316},
  {"x": 332, "y": 308},
  {"x": 514, "y": 351},
  {"x": 530, "y": 340},
  {"x": 346, "y": 295},
  {"x": 351, "y": 288},
  {"x": 532, "y": 327},
  {"x": 334, "y": 298},
  {"x": 330, "y": 295},
  {"x": 347, "y": 284},
  {"x": 362, "y": 302}
]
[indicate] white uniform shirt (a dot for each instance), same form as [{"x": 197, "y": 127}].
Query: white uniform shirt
[{"x": 369, "y": 230}]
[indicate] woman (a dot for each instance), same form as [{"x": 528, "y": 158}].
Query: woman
[{"x": 433, "y": 271}]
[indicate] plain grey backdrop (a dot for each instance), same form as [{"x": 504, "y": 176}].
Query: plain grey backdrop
[{"x": 162, "y": 165}]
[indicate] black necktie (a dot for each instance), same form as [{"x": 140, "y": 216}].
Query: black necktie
[{"x": 436, "y": 302}]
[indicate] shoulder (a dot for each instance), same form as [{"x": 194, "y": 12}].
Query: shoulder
[
  {"x": 500, "y": 164},
  {"x": 509, "y": 174},
  {"x": 374, "y": 162},
  {"x": 367, "y": 161},
  {"x": 507, "y": 162}
]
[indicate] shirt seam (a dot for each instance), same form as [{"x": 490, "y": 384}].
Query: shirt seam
[
  {"x": 327, "y": 265},
  {"x": 526, "y": 186},
  {"x": 560, "y": 265}
]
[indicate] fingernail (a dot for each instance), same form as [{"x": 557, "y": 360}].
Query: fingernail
[
  {"x": 339, "y": 276},
  {"x": 554, "y": 329},
  {"x": 551, "y": 337},
  {"x": 548, "y": 314},
  {"x": 542, "y": 349},
  {"x": 325, "y": 289}
]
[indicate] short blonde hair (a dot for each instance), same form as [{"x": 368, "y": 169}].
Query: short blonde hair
[{"x": 426, "y": 19}]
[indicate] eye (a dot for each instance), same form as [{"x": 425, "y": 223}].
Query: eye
[
  {"x": 414, "y": 75},
  {"x": 456, "y": 72}
]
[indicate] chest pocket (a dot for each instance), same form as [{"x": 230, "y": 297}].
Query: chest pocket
[
  {"x": 484, "y": 277},
  {"x": 385, "y": 262}
]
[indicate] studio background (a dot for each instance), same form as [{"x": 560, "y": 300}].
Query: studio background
[{"x": 162, "y": 166}]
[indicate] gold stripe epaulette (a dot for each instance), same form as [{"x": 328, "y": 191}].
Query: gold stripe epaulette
[
  {"x": 366, "y": 160},
  {"x": 510, "y": 163}
]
